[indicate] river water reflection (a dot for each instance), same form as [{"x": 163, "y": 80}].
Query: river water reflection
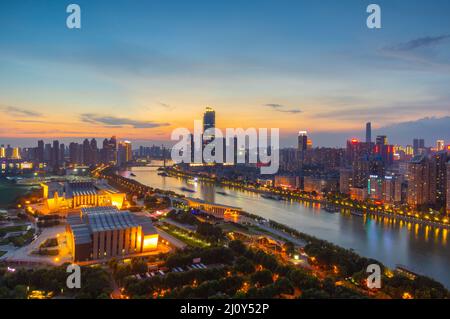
[{"x": 422, "y": 249}]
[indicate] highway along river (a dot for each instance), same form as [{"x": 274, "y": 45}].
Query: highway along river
[{"x": 421, "y": 248}]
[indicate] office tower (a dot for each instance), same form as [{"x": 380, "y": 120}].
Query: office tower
[
  {"x": 418, "y": 146},
  {"x": 440, "y": 145},
  {"x": 2, "y": 152},
  {"x": 384, "y": 150},
  {"x": 124, "y": 153},
  {"x": 420, "y": 176},
  {"x": 209, "y": 121},
  {"x": 302, "y": 146},
  {"x": 368, "y": 132},
  {"x": 40, "y": 152},
  {"x": 381, "y": 140},
  {"x": 55, "y": 155},
  {"x": 356, "y": 150}
]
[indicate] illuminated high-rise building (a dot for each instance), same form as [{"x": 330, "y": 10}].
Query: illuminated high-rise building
[
  {"x": 309, "y": 144},
  {"x": 2, "y": 152},
  {"x": 302, "y": 146},
  {"x": 209, "y": 122},
  {"x": 440, "y": 145},
  {"x": 384, "y": 150},
  {"x": 439, "y": 182},
  {"x": 409, "y": 150},
  {"x": 448, "y": 188},
  {"x": 420, "y": 178},
  {"x": 124, "y": 153}
]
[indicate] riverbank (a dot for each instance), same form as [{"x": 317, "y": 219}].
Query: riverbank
[
  {"x": 382, "y": 240},
  {"x": 334, "y": 203}
]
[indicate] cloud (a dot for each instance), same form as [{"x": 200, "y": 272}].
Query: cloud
[
  {"x": 111, "y": 121},
  {"x": 32, "y": 121},
  {"x": 165, "y": 105},
  {"x": 274, "y": 105},
  {"x": 290, "y": 111},
  {"x": 429, "y": 128},
  {"x": 281, "y": 108},
  {"x": 418, "y": 43},
  {"x": 19, "y": 112}
]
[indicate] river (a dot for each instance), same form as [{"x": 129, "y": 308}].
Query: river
[{"x": 421, "y": 248}]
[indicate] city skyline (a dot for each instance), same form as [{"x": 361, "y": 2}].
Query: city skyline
[{"x": 163, "y": 65}]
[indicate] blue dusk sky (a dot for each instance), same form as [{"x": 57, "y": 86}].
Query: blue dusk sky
[{"x": 139, "y": 69}]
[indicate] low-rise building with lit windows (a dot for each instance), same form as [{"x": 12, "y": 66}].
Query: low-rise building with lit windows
[
  {"x": 60, "y": 196},
  {"x": 100, "y": 233}
]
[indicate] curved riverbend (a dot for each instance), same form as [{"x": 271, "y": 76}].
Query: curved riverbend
[{"x": 421, "y": 248}]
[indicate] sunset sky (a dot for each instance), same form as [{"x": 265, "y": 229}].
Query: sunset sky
[{"x": 139, "y": 69}]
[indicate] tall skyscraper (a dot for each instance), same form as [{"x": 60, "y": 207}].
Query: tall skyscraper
[
  {"x": 40, "y": 152},
  {"x": 2, "y": 152},
  {"x": 368, "y": 132},
  {"x": 302, "y": 146},
  {"x": 209, "y": 120}
]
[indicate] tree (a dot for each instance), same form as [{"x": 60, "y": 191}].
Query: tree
[
  {"x": 237, "y": 247},
  {"x": 283, "y": 286},
  {"x": 244, "y": 265},
  {"x": 262, "y": 278},
  {"x": 138, "y": 266}
]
